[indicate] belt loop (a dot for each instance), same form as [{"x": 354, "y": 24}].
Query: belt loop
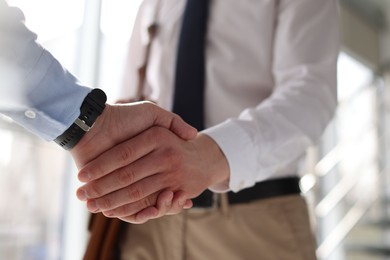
[
  {"x": 224, "y": 203},
  {"x": 215, "y": 201}
]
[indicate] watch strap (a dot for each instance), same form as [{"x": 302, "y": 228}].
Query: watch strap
[{"x": 92, "y": 107}]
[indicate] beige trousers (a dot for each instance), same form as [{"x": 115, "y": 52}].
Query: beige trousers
[{"x": 270, "y": 229}]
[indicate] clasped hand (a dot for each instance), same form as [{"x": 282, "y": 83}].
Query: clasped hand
[{"x": 141, "y": 162}]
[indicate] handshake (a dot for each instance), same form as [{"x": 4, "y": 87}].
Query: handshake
[{"x": 141, "y": 162}]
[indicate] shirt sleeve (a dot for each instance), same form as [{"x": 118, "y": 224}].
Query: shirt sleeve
[
  {"x": 271, "y": 138},
  {"x": 36, "y": 91}
]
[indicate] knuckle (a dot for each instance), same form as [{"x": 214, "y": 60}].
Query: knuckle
[
  {"x": 126, "y": 153},
  {"x": 125, "y": 210},
  {"x": 146, "y": 202},
  {"x": 94, "y": 190},
  {"x": 104, "y": 203},
  {"x": 126, "y": 176},
  {"x": 135, "y": 193},
  {"x": 121, "y": 211}
]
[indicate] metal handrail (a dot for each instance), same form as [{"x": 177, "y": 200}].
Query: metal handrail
[{"x": 340, "y": 232}]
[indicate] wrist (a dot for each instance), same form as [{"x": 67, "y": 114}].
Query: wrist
[
  {"x": 217, "y": 170},
  {"x": 94, "y": 141},
  {"x": 91, "y": 108}
]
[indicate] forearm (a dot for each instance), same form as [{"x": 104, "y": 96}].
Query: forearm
[{"x": 37, "y": 92}]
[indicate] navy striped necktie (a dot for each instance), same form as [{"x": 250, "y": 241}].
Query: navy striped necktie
[{"x": 190, "y": 64}]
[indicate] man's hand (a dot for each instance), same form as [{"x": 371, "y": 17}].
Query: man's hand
[
  {"x": 119, "y": 123},
  {"x": 141, "y": 168}
]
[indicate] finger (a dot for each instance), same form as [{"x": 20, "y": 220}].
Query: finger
[
  {"x": 154, "y": 162},
  {"x": 137, "y": 192},
  {"x": 188, "y": 204},
  {"x": 141, "y": 217},
  {"x": 182, "y": 129},
  {"x": 174, "y": 123},
  {"x": 133, "y": 208},
  {"x": 164, "y": 207},
  {"x": 118, "y": 156},
  {"x": 144, "y": 215},
  {"x": 164, "y": 202},
  {"x": 119, "y": 179},
  {"x": 178, "y": 202}
]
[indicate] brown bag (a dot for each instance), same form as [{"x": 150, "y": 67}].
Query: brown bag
[
  {"x": 105, "y": 232},
  {"x": 104, "y": 235}
]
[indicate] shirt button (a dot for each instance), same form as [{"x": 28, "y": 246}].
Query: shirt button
[{"x": 30, "y": 114}]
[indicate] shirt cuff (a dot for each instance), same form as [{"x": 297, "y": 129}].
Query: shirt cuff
[
  {"x": 239, "y": 154},
  {"x": 39, "y": 123}
]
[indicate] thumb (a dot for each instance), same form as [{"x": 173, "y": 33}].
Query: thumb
[{"x": 182, "y": 129}]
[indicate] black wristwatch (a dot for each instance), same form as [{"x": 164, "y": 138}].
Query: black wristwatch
[{"x": 92, "y": 107}]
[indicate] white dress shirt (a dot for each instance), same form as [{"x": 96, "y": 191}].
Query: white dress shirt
[
  {"x": 270, "y": 78},
  {"x": 35, "y": 90}
]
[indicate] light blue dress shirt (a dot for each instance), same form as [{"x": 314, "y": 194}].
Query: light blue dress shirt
[{"x": 35, "y": 90}]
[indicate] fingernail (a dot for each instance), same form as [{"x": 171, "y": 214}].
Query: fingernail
[
  {"x": 82, "y": 195},
  {"x": 92, "y": 206}
]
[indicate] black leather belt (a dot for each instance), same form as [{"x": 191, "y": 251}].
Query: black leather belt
[{"x": 262, "y": 190}]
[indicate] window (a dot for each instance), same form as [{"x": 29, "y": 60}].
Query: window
[{"x": 348, "y": 169}]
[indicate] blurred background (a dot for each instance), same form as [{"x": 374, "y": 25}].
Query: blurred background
[{"x": 346, "y": 177}]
